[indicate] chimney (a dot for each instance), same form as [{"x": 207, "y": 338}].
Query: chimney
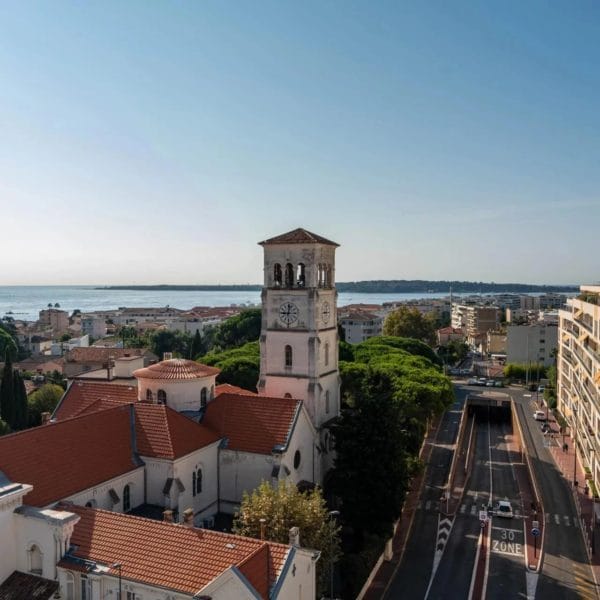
[
  {"x": 168, "y": 515},
  {"x": 188, "y": 517},
  {"x": 45, "y": 417},
  {"x": 167, "y": 356},
  {"x": 295, "y": 537},
  {"x": 262, "y": 528}
]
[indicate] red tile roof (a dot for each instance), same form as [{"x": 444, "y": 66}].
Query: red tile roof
[
  {"x": 171, "y": 556},
  {"x": 176, "y": 369},
  {"x": 298, "y": 236},
  {"x": 81, "y": 395},
  {"x": 161, "y": 432},
  {"x": 227, "y": 388},
  {"x": 63, "y": 458},
  {"x": 94, "y": 354},
  {"x": 252, "y": 423}
]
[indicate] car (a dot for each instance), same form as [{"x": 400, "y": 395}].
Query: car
[
  {"x": 545, "y": 427},
  {"x": 504, "y": 509},
  {"x": 481, "y": 381},
  {"x": 489, "y": 383},
  {"x": 499, "y": 383},
  {"x": 541, "y": 389},
  {"x": 539, "y": 415},
  {"x": 472, "y": 381}
]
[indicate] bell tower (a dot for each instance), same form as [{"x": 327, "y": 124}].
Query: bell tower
[{"x": 299, "y": 340}]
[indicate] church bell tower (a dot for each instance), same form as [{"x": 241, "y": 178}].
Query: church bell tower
[{"x": 299, "y": 340}]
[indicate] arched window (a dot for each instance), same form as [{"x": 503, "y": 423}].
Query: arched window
[
  {"x": 149, "y": 396},
  {"x": 35, "y": 560},
  {"x": 127, "y": 498},
  {"x": 199, "y": 481},
  {"x": 193, "y": 483},
  {"x": 326, "y": 353},
  {"x": 327, "y": 402},
  {"x": 328, "y": 276},
  {"x": 289, "y": 275},
  {"x": 161, "y": 396},
  {"x": 287, "y": 395},
  {"x": 203, "y": 394},
  {"x": 277, "y": 276},
  {"x": 300, "y": 275},
  {"x": 70, "y": 586},
  {"x": 297, "y": 459},
  {"x": 319, "y": 275},
  {"x": 288, "y": 356}
]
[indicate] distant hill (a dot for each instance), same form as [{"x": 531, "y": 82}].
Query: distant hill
[{"x": 396, "y": 286}]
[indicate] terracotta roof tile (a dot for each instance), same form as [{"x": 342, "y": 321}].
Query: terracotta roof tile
[
  {"x": 252, "y": 423},
  {"x": 176, "y": 369},
  {"x": 227, "y": 388},
  {"x": 298, "y": 236},
  {"x": 60, "y": 459},
  {"x": 80, "y": 395},
  {"x": 161, "y": 432},
  {"x": 171, "y": 556},
  {"x": 94, "y": 354}
]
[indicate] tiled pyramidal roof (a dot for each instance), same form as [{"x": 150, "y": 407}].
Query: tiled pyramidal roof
[
  {"x": 298, "y": 236},
  {"x": 176, "y": 369}
]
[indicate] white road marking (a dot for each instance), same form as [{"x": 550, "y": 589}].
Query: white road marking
[
  {"x": 474, "y": 509},
  {"x": 547, "y": 517},
  {"x": 532, "y": 581},
  {"x": 428, "y": 505},
  {"x": 557, "y": 519},
  {"x": 463, "y": 508},
  {"x": 566, "y": 518}
]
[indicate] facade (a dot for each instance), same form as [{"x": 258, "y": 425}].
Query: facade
[
  {"x": 93, "y": 326},
  {"x": 55, "y": 319},
  {"x": 578, "y": 373},
  {"x": 299, "y": 341},
  {"x": 475, "y": 320},
  {"x": 446, "y": 335},
  {"x": 532, "y": 344},
  {"x": 359, "y": 326}
]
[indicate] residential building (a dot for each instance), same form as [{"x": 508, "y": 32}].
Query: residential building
[
  {"x": 55, "y": 319},
  {"x": 534, "y": 343},
  {"x": 81, "y": 360},
  {"x": 449, "y": 334},
  {"x": 359, "y": 326},
  {"x": 93, "y": 326},
  {"x": 475, "y": 320},
  {"x": 578, "y": 373}
]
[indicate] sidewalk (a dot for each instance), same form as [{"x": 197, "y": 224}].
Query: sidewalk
[
  {"x": 568, "y": 466},
  {"x": 388, "y": 567}
]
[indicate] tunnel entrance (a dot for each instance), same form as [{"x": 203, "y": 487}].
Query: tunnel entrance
[{"x": 493, "y": 406}]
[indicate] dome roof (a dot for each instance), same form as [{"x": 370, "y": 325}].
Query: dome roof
[{"x": 176, "y": 369}]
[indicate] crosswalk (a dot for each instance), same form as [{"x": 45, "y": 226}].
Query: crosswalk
[{"x": 473, "y": 509}]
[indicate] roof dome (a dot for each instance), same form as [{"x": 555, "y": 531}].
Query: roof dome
[{"x": 176, "y": 369}]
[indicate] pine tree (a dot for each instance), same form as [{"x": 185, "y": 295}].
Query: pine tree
[
  {"x": 196, "y": 348},
  {"x": 7, "y": 394}
]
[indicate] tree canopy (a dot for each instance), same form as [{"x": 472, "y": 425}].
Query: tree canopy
[
  {"x": 410, "y": 323},
  {"x": 239, "y": 366},
  {"x": 45, "y": 399},
  {"x": 237, "y": 330},
  {"x": 284, "y": 507}
]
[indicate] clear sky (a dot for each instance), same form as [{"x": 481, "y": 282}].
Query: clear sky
[{"x": 157, "y": 142}]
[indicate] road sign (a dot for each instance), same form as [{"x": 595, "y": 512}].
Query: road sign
[
  {"x": 536, "y": 524},
  {"x": 483, "y": 516},
  {"x": 535, "y": 532},
  {"x": 482, "y": 524}
]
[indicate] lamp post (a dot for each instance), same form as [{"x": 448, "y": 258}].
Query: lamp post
[
  {"x": 118, "y": 566},
  {"x": 333, "y": 514}
]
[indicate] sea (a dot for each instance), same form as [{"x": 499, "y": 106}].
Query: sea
[{"x": 25, "y": 302}]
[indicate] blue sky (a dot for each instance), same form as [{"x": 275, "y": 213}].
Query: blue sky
[{"x": 158, "y": 142}]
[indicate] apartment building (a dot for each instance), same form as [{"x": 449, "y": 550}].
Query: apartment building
[
  {"x": 475, "y": 320},
  {"x": 57, "y": 320},
  {"x": 533, "y": 343},
  {"x": 578, "y": 376},
  {"x": 359, "y": 326}
]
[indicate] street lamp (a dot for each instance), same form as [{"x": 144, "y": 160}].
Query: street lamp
[
  {"x": 333, "y": 514},
  {"x": 120, "y": 567}
]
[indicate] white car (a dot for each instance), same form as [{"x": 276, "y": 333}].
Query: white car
[
  {"x": 504, "y": 509},
  {"x": 539, "y": 415}
]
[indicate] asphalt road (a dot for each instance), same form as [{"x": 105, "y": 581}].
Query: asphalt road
[
  {"x": 565, "y": 573},
  {"x": 412, "y": 578}
]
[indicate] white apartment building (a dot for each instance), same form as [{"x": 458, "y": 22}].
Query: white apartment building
[
  {"x": 360, "y": 326},
  {"x": 93, "y": 325},
  {"x": 578, "y": 376},
  {"x": 474, "y": 319},
  {"x": 533, "y": 343}
]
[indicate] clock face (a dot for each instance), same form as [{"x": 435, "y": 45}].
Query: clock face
[
  {"x": 325, "y": 312},
  {"x": 288, "y": 313}
]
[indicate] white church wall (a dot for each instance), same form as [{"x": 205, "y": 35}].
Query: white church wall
[{"x": 181, "y": 395}]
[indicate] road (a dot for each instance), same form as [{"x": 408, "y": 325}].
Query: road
[{"x": 427, "y": 574}]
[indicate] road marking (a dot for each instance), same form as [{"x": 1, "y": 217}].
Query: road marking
[
  {"x": 463, "y": 508},
  {"x": 474, "y": 509},
  {"x": 532, "y": 580},
  {"x": 503, "y": 547},
  {"x": 428, "y": 505},
  {"x": 566, "y": 518},
  {"x": 418, "y": 505},
  {"x": 547, "y": 517},
  {"x": 557, "y": 519}
]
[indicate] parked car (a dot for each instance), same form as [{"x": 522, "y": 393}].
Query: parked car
[
  {"x": 504, "y": 509},
  {"x": 489, "y": 383},
  {"x": 472, "y": 381},
  {"x": 539, "y": 415},
  {"x": 541, "y": 389},
  {"x": 499, "y": 383}
]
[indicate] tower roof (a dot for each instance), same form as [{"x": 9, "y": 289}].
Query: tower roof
[{"x": 298, "y": 236}]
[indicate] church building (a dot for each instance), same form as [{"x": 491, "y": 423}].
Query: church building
[{"x": 122, "y": 466}]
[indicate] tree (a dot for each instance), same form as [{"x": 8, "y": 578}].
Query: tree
[
  {"x": 197, "y": 347},
  {"x": 7, "y": 344},
  {"x": 7, "y": 393},
  {"x": 238, "y": 330},
  {"x": 410, "y": 323},
  {"x": 239, "y": 366},
  {"x": 20, "y": 402},
  {"x": 177, "y": 342},
  {"x": 43, "y": 400},
  {"x": 284, "y": 507},
  {"x": 4, "y": 428}
]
